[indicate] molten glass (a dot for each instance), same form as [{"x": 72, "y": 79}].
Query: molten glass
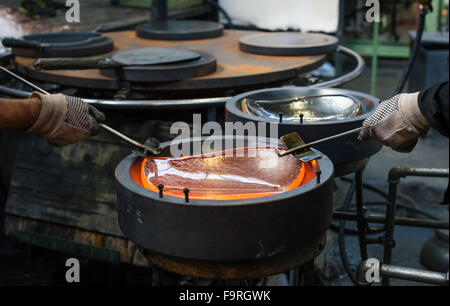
[{"x": 241, "y": 173}]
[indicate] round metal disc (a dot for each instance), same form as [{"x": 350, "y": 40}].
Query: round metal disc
[
  {"x": 74, "y": 44},
  {"x": 154, "y": 56},
  {"x": 288, "y": 44},
  {"x": 101, "y": 47},
  {"x": 201, "y": 66},
  {"x": 66, "y": 39},
  {"x": 179, "y": 30}
]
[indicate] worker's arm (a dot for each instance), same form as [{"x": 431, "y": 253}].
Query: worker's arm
[
  {"x": 399, "y": 121},
  {"x": 433, "y": 104},
  {"x": 18, "y": 114},
  {"x": 59, "y": 119}
]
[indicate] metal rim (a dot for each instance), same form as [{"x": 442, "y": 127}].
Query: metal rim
[
  {"x": 123, "y": 177},
  {"x": 203, "y": 102}
]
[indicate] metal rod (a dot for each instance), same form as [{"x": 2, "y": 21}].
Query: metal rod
[
  {"x": 404, "y": 221},
  {"x": 416, "y": 275},
  {"x": 23, "y": 80},
  {"x": 109, "y": 129},
  {"x": 299, "y": 148},
  {"x": 361, "y": 221},
  {"x": 360, "y": 65},
  {"x": 124, "y": 137}
]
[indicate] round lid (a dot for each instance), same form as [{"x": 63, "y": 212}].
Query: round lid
[
  {"x": 179, "y": 30},
  {"x": 288, "y": 44}
]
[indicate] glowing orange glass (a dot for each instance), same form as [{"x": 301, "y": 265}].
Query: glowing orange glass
[{"x": 241, "y": 173}]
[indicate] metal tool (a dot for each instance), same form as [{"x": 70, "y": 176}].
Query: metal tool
[
  {"x": 308, "y": 145},
  {"x": 150, "y": 146},
  {"x": 141, "y": 65},
  {"x": 136, "y": 57},
  {"x": 294, "y": 141}
]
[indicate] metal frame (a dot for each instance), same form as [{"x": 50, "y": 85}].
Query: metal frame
[{"x": 390, "y": 220}]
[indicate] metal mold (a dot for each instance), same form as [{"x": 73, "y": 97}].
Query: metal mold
[
  {"x": 208, "y": 230},
  {"x": 341, "y": 151}
]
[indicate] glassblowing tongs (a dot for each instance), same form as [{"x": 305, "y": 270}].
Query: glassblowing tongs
[{"x": 295, "y": 144}]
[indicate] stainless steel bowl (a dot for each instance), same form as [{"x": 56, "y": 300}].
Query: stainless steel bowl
[{"x": 312, "y": 108}]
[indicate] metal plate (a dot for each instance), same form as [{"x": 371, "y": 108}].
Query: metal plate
[
  {"x": 74, "y": 44},
  {"x": 63, "y": 40},
  {"x": 154, "y": 56},
  {"x": 98, "y": 48},
  {"x": 288, "y": 44},
  {"x": 316, "y": 108},
  {"x": 179, "y": 30},
  {"x": 204, "y": 65}
]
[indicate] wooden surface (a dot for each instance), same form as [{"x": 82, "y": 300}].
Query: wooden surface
[
  {"x": 69, "y": 193},
  {"x": 234, "y": 68}
]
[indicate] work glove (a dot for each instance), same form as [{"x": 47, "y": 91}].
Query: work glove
[
  {"x": 64, "y": 120},
  {"x": 397, "y": 123}
]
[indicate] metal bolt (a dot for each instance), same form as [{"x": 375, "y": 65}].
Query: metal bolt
[
  {"x": 318, "y": 173},
  {"x": 301, "y": 118},
  {"x": 160, "y": 187},
  {"x": 281, "y": 117},
  {"x": 186, "y": 194}
]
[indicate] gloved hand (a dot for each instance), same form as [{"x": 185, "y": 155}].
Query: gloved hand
[
  {"x": 397, "y": 123},
  {"x": 65, "y": 120}
]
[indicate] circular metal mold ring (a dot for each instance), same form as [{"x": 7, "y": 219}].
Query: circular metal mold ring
[
  {"x": 341, "y": 151},
  {"x": 223, "y": 230},
  {"x": 288, "y": 44},
  {"x": 179, "y": 30}
]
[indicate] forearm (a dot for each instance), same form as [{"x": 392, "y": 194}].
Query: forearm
[
  {"x": 434, "y": 105},
  {"x": 18, "y": 114}
]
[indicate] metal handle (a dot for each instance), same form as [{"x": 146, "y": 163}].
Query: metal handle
[
  {"x": 64, "y": 63},
  {"x": 299, "y": 148},
  {"x": 24, "y": 44},
  {"x": 124, "y": 137},
  {"x": 376, "y": 267}
]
